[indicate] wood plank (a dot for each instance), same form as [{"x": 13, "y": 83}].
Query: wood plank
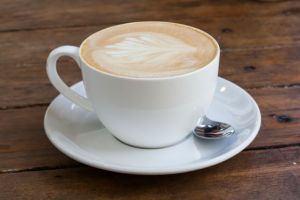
[
  {"x": 22, "y": 73},
  {"x": 29, "y": 85},
  {"x": 26, "y": 84},
  {"x": 267, "y": 174},
  {"x": 16, "y": 15},
  {"x": 260, "y": 43},
  {"x": 260, "y": 68},
  {"x": 33, "y": 47},
  {"x": 275, "y": 104},
  {"x": 24, "y": 144}
]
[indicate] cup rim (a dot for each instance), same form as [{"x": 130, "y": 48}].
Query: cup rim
[{"x": 153, "y": 78}]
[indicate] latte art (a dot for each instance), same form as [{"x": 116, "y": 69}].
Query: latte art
[
  {"x": 147, "y": 48},
  {"x": 152, "y": 51}
]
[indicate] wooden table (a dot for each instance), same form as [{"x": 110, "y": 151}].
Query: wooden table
[{"x": 260, "y": 42}]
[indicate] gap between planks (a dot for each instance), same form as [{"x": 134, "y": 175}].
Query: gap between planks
[
  {"x": 293, "y": 85},
  {"x": 57, "y": 27},
  {"x": 118, "y": 22},
  {"x": 78, "y": 165}
]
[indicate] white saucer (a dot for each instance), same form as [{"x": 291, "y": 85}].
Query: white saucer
[{"x": 79, "y": 135}]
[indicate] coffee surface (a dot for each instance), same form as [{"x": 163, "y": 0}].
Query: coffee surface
[{"x": 148, "y": 49}]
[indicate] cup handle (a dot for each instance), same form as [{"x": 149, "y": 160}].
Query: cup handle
[{"x": 58, "y": 83}]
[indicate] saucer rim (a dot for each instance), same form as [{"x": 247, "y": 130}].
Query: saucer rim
[{"x": 159, "y": 170}]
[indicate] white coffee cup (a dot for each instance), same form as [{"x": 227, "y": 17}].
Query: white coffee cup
[{"x": 143, "y": 112}]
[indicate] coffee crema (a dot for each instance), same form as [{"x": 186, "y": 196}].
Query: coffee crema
[{"x": 149, "y": 49}]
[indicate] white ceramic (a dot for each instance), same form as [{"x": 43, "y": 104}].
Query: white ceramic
[
  {"x": 143, "y": 112},
  {"x": 79, "y": 134}
]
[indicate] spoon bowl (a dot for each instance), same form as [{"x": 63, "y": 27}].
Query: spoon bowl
[{"x": 209, "y": 129}]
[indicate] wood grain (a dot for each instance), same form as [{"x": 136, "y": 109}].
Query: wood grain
[
  {"x": 260, "y": 45},
  {"x": 25, "y": 145},
  {"x": 18, "y": 15},
  {"x": 274, "y": 56},
  {"x": 27, "y": 84},
  {"x": 33, "y": 47},
  {"x": 276, "y": 102},
  {"x": 265, "y": 174}
]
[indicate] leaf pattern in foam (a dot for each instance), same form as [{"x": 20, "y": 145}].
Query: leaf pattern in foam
[{"x": 149, "y": 49}]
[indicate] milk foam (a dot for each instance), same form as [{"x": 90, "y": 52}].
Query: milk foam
[{"x": 144, "y": 53}]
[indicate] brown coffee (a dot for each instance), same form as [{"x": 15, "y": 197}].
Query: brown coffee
[{"x": 149, "y": 49}]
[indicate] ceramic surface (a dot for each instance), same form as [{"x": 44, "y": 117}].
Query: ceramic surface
[
  {"x": 145, "y": 112},
  {"x": 79, "y": 134}
]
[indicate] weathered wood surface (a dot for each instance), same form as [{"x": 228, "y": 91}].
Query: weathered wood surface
[
  {"x": 233, "y": 34},
  {"x": 251, "y": 36},
  {"x": 27, "y": 84},
  {"x": 260, "y": 52},
  {"x": 262, "y": 174},
  {"x": 26, "y": 145},
  {"x": 34, "y": 14}
]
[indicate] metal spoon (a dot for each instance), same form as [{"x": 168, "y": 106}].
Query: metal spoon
[{"x": 209, "y": 129}]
